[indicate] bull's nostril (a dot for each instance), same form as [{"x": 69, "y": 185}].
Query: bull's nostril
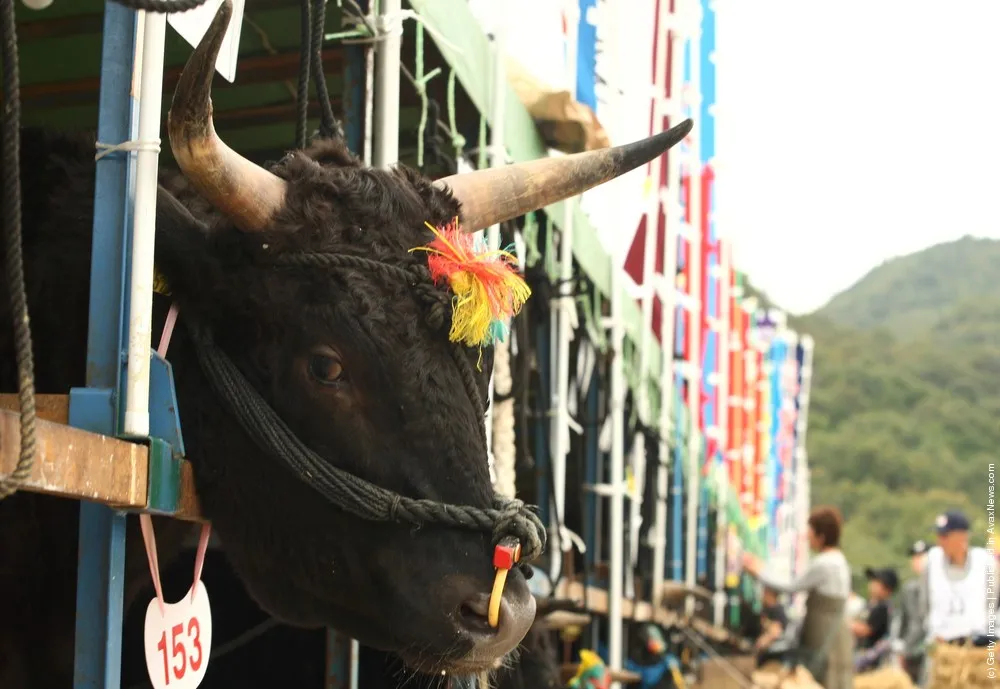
[
  {"x": 473, "y": 614},
  {"x": 469, "y": 611}
]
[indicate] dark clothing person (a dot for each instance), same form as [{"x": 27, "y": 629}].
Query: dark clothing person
[
  {"x": 774, "y": 613},
  {"x": 877, "y": 619},
  {"x": 771, "y": 615}
]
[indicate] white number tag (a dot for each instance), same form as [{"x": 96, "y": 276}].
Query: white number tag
[{"x": 178, "y": 640}]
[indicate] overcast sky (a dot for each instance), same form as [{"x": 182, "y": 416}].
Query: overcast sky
[{"x": 850, "y": 132}]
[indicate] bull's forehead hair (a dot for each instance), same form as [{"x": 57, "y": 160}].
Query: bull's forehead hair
[
  {"x": 336, "y": 204},
  {"x": 348, "y": 230}
]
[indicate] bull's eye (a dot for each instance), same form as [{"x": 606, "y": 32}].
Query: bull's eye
[{"x": 325, "y": 367}]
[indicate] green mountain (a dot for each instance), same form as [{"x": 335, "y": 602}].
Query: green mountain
[
  {"x": 907, "y": 294},
  {"x": 905, "y": 409}
]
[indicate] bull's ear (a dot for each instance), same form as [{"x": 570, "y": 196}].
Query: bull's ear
[{"x": 182, "y": 252}]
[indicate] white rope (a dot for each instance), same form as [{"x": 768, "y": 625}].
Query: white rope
[
  {"x": 127, "y": 146},
  {"x": 727, "y": 667},
  {"x": 504, "y": 448}
]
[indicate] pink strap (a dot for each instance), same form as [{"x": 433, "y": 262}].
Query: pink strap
[
  {"x": 149, "y": 539},
  {"x": 168, "y": 330},
  {"x": 199, "y": 560},
  {"x": 146, "y": 521}
]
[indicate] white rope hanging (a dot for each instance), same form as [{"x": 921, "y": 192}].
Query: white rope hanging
[{"x": 504, "y": 450}]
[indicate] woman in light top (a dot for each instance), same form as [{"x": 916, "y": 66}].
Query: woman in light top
[{"x": 825, "y": 642}]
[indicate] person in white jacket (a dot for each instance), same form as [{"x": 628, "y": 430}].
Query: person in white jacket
[{"x": 957, "y": 598}]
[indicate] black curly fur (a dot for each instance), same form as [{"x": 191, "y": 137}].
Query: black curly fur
[{"x": 302, "y": 560}]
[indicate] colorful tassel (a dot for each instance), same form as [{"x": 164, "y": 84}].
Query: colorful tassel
[{"x": 488, "y": 289}]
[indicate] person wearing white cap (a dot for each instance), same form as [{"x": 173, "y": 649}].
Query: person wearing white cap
[{"x": 954, "y": 589}]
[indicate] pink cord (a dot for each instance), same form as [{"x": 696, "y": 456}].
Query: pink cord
[
  {"x": 168, "y": 330},
  {"x": 199, "y": 560},
  {"x": 146, "y": 521},
  {"x": 149, "y": 538}
]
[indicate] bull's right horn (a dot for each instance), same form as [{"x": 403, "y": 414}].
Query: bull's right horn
[{"x": 493, "y": 195}]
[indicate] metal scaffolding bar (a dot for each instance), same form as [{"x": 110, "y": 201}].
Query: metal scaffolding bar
[
  {"x": 386, "y": 115},
  {"x": 101, "y": 568}
]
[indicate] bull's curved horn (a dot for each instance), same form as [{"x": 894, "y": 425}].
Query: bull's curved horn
[
  {"x": 248, "y": 194},
  {"x": 494, "y": 195}
]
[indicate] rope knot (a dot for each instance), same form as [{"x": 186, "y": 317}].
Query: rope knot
[
  {"x": 521, "y": 522},
  {"x": 437, "y": 300},
  {"x": 393, "y": 510},
  {"x": 437, "y": 315}
]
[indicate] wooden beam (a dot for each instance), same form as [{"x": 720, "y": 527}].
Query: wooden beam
[
  {"x": 78, "y": 464},
  {"x": 596, "y": 601},
  {"x": 254, "y": 69},
  {"x": 676, "y": 592},
  {"x": 54, "y": 408},
  {"x": 561, "y": 619},
  {"x": 277, "y": 112},
  {"x": 188, "y": 505},
  {"x": 93, "y": 23}
]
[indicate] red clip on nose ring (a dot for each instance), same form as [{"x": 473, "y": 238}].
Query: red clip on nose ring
[{"x": 506, "y": 554}]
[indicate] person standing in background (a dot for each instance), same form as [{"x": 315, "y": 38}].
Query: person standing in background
[
  {"x": 954, "y": 596},
  {"x": 910, "y": 631},
  {"x": 872, "y": 629},
  {"x": 825, "y": 647}
]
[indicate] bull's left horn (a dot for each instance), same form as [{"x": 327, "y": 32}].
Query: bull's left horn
[
  {"x": 494, "y": 195},
  {"x": 247, "y": 193}
]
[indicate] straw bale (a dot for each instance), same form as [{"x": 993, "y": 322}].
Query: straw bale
[
  {"x": 883, "y": 678},
  {"x": 773, "y": 676},
  {"x": 958, "y": 667}
]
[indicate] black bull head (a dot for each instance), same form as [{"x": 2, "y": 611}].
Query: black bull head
[
  {"x": 303, "y": 274},
  {"x": 365, "y": 377}
]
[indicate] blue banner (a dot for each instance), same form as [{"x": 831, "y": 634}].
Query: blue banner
[{"x": 586, "y": 56}]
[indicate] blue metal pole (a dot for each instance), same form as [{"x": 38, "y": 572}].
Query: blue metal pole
[{"x": 101, "y": 563}]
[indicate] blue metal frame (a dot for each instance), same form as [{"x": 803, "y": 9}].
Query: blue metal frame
[
  {"x": 99, "y": 406},
  {"x": 101, "y": 567}
]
